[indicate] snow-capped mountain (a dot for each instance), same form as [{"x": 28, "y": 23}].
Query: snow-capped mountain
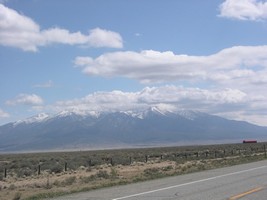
[{"x": 90, "y": 129}]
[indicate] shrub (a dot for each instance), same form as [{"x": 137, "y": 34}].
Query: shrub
[
  {"x": 88, "y": 179},
  {"x": 57, "y": 183},
  {"x": 102, "y": 174},
  {"x": 56, "y": 169},
  {"x": 168, "y": 168},
  {"x": 153, "y": 172},
  {"x": 24, "y": 172},
  {"x": 17, "y": 196},
  {"x": 113, "y": 173},
  {"x": 69, "y": 181},
  {"x": 12, "y": 187}
]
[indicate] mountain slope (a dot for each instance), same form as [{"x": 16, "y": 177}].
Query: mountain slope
[{"x": 94, "y": 130}]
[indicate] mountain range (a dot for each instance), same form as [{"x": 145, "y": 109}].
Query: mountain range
[{"x": 95, "y": 130}]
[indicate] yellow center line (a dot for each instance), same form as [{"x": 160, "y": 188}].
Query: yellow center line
[{"x": 245, "y": 193}]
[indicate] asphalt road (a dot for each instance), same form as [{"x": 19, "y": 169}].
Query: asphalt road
[{"x": 244, "y": 182}]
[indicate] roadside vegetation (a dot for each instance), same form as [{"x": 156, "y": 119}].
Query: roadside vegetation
[{"x": 34, "y": 176}]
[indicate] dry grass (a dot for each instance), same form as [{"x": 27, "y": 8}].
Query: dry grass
[{"x": 20, "y": 185}]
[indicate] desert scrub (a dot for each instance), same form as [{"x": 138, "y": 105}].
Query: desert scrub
[
  {"x": 17, "y": 196},
  {"x": 168, "y": 168},
  {"x": 200, "y": 165},
  {"x": 56, "y": 169},
  {"x": 25, "y": 172},
  {"x": 152, "y": 173},
  {"x": 113, "y": 173},
  {"x": 103, "y": 174},
  {"x": 68, "y": 181},
  {"x": 12, "y": 187},
  {"x": 88, "y": 179}
]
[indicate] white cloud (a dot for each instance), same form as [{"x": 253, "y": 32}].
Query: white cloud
[
  {"x": 150, "y": 66},
  {"x": 244, "y": 9},
  {"x": 26, "y": 99},
  {"x": 3, "y": 114},
  {"x": 20, "y": 31},
  {"x": 63, "y": 36},
  {"x": 104, "y": 38},
  {"x": 83, "y": 61}
]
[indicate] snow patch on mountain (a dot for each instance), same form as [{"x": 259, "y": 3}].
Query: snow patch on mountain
[
  {"x": 187, "y": 114},
  {"x": 140, "y": 114},
  {"x": 37, "y": 118},
  {"x": 81, "y": 113}
]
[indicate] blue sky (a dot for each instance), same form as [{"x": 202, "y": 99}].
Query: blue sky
[{"x": 120, "y": 55}]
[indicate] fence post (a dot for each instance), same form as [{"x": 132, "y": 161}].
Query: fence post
[
  {"x": 111, "y": 161},
  {"x": 90, "y": 162},
  {"x": 66, "y": 166},
  {"x": 265, "y": 153},
  {"x": 146, "y": 158},
  {"x": 39, "y": 169},
  {"x": 5, "y": 173}
]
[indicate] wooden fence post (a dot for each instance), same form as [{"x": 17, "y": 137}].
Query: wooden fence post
[
  {"x": 39, "y": 169},
  {"x": 66, "y": 166},
  {"x": 146, "y": 158},
  {"x": 5, "y": 173},
  {"x": 265, "y": 153}
]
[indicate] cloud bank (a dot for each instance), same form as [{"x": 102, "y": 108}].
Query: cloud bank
[
  {"x": 19, "y": 31},
  {"x": 227, "y": 102},
  {"x": 252, "y": 10},
  {"x": 247, "y": 64},
  {"x": 176, "y": 97}
]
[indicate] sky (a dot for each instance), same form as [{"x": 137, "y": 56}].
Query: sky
[{"x": 121, "y": 55}]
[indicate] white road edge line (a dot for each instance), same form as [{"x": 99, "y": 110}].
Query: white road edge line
[{"x": 189, "y": 183}]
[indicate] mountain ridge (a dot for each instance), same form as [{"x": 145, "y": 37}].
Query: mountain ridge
[{"x": 78, "y": 129}]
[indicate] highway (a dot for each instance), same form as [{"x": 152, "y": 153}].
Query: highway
[{"x": 244, "y": 182}]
